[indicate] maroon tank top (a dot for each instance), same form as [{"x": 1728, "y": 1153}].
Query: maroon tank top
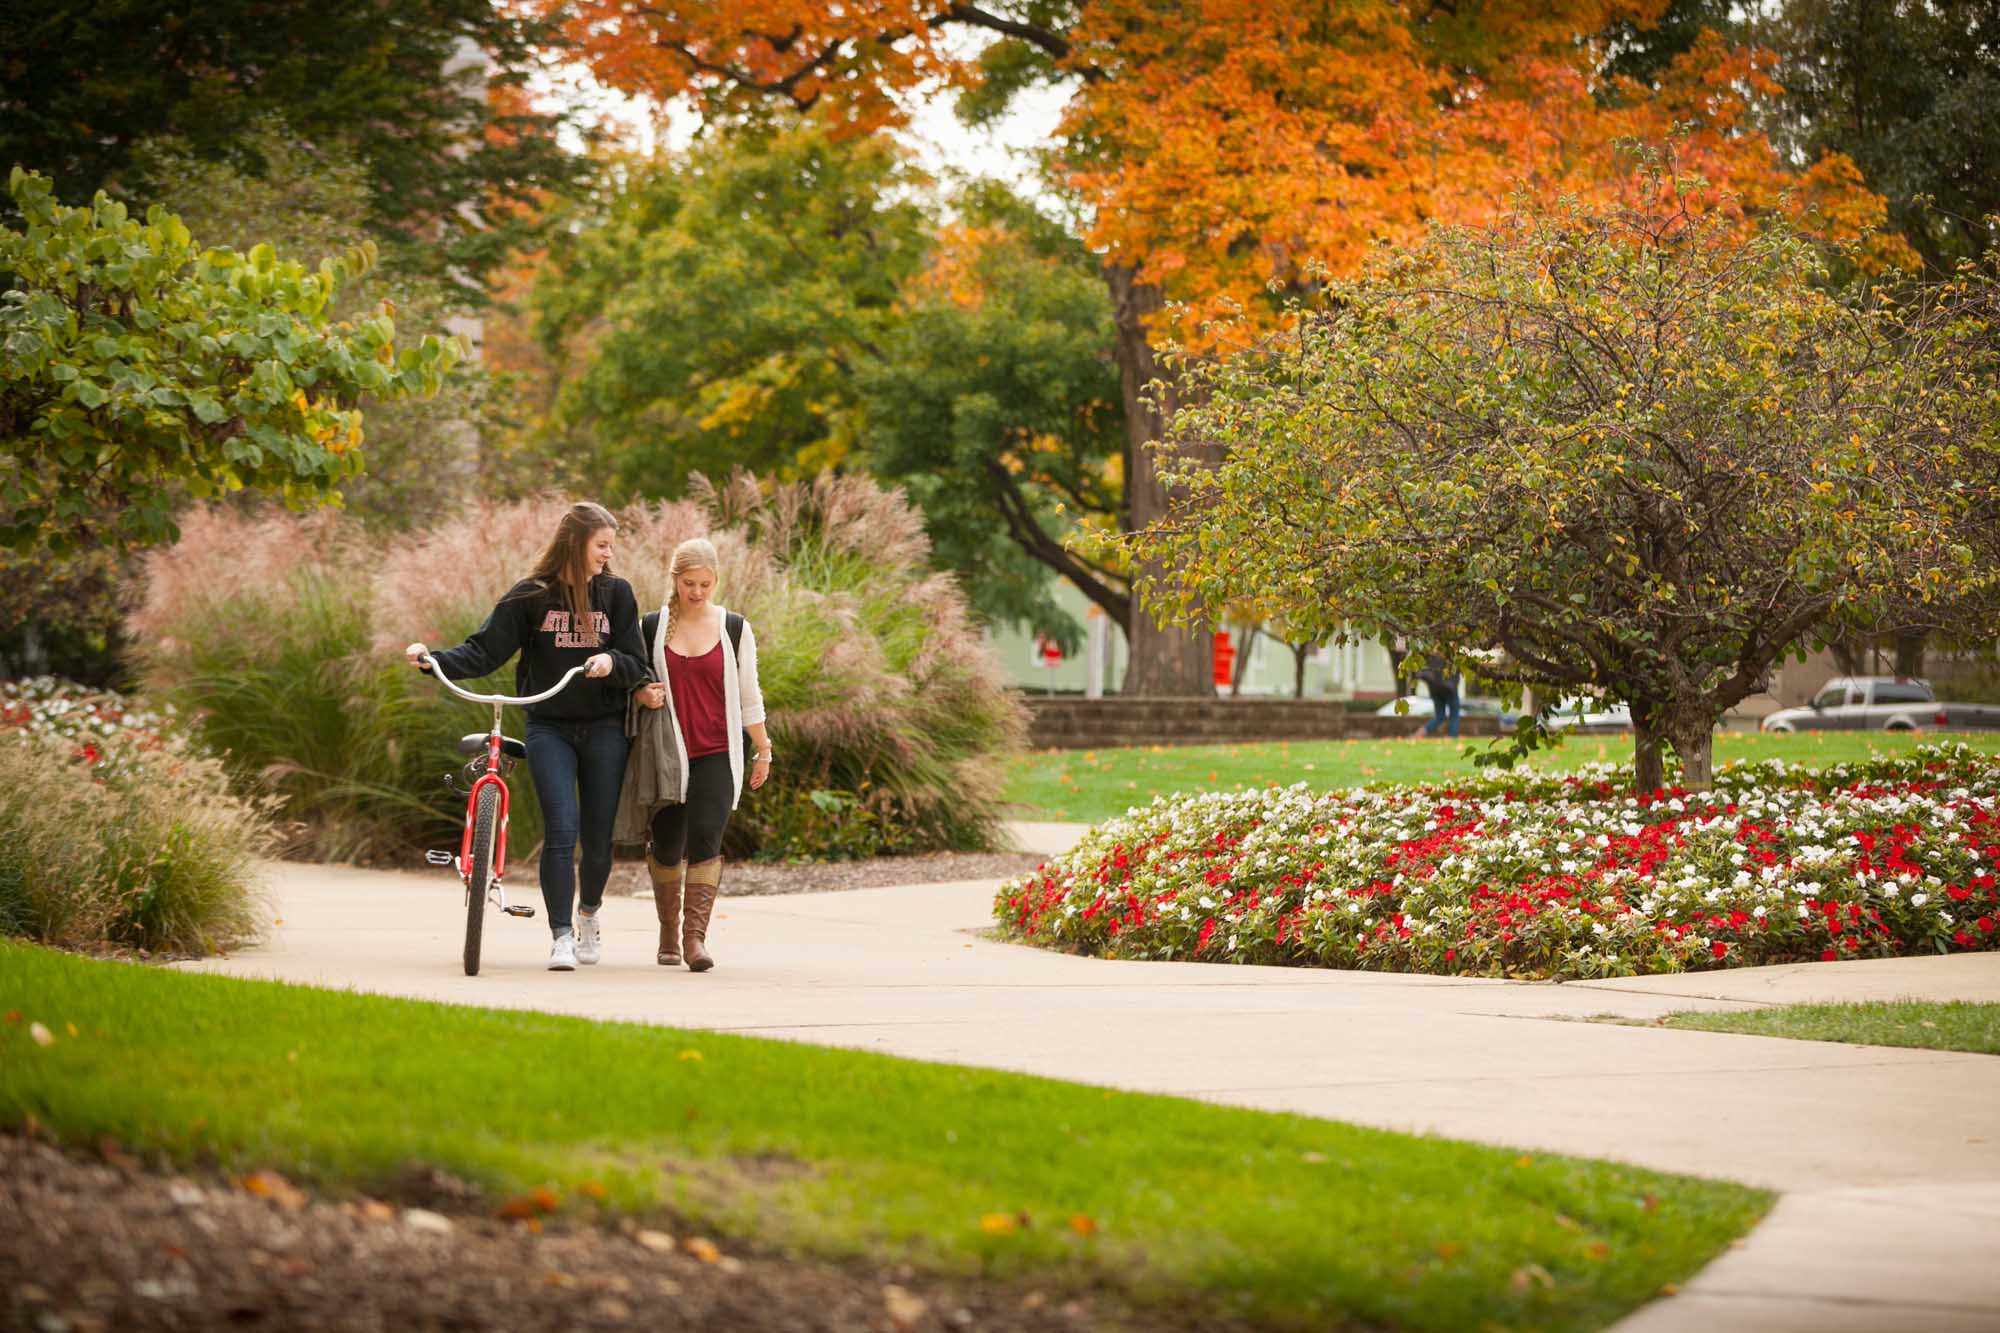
[{"x": 698, "y": 702}]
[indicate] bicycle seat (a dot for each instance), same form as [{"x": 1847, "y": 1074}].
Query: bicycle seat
[{"x": 476, "y": 741}]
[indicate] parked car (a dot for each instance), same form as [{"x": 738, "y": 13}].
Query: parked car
[
  {"x": 1882, "y": 703},
  {"x": 1585, "y": 714},
  {"x": 1418, "y": 707}
]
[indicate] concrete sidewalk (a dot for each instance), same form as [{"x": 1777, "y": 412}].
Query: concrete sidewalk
[{"x": 1891, "y": 1158}]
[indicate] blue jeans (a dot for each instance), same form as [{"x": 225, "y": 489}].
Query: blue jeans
[
  {"x": 578, "y": 768},
  {"x": 1444, "y": 699}
]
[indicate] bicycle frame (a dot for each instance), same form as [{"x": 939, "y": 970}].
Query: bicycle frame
[{"x": 491, "y": 777}]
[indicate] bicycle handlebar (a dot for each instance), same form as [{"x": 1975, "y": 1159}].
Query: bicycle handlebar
[{"x": 549, "y": 693}]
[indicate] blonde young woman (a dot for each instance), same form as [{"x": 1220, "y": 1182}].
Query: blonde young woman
[{"x": 690, "y": 763}]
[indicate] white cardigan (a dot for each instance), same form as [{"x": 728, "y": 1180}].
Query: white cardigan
[{"x": 743, "y": 700}]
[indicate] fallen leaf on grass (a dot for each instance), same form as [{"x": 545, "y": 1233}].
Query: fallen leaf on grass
[
  {"x": 41, "y": 1035},
  {"x": 1083, "y": 1224},
  {"x": 591, "y": 1189},
  {"x": 1670, "y": 1289},
  {"x": 70, "y": 1028},
  {"x": 702, "y": 1248},
  {"x": 270, "y": 1185},
  {"x": 1529, "y": 1276},
  {"x": 1524, "y": 1160},
  {"x": 13, "y": 1017},
  {"x": 690, "y": 1055},
  {"x": 1313, "y": 1158},
  {"x": 657, "y": 1241},
  {"x": 533, "y": 1204}
]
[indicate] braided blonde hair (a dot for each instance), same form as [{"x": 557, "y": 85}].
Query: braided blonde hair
[{"x": 694, "y": 553}]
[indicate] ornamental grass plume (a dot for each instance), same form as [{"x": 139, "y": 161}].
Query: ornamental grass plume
[{"x": 890, "y": 713}]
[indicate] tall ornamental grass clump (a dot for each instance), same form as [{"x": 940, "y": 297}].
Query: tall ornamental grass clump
[
  {"x": 890, "y": 718},
  {"x": 115, "y": 832},
  {"x": 260, "y": 630}
]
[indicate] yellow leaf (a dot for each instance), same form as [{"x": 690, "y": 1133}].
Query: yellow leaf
[
  {"x": 998, "y": 1224},
  {"x": 702, "y": 1248},
  {"x": 690, "y": 1055},
  {"x": 1083, "y": 1224}
]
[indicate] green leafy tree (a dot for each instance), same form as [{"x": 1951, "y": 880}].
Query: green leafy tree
[
  {"x": 716, "y": 308},
  {"x": 1643, "y": 452},
  {"x": 995, "y": 403},
  {"x": 136, "y": 360},
  {"x": 1911, "y": 92},
  {"x": 428, "y": 94},
  {"x": 423, "y": 451}
]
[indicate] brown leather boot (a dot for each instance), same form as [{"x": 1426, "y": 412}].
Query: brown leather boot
[
  {"x": 667, "y": 906},
  {"x": 702, "y": 880}
]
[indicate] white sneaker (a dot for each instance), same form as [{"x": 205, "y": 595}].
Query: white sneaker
[
  {"x": 562, "y": 954},
  {"x": 589, "y": 944}
]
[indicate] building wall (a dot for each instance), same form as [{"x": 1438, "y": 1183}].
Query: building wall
[{"x": 1358, "y": 670}]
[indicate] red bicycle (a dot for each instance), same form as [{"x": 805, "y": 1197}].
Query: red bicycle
[{"x": 482, "y": 849}]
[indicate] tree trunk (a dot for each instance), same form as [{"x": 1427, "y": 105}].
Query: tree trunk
[
  {"x": 1694, "y": 741},
  {"x": 1300, "y": 651},
  {"x": 1242, "y": 663},
  {"x": 1166, "y": 660},
  {"x": 1649, "y": 768},
  {"x": 1910, "y": 653}
]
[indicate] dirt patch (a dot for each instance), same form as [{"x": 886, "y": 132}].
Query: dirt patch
[
  {"x": 745, "y": 878},
  {"x": 107, "y": 1244}
]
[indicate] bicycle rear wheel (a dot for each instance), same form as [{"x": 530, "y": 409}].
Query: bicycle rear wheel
[{"x": 485, "y": 837}]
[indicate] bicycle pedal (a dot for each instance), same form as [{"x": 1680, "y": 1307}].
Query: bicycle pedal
[
  {"x": 519, "y": 909},
  {"x": 437, "y": 858}
]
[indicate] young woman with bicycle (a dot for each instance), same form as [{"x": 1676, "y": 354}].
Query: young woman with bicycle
[
  {"x": 570, "y": 611},
  {"x": 692, "y": 760}
]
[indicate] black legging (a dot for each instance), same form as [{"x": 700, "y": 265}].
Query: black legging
[{"x": 692, "y": 831}]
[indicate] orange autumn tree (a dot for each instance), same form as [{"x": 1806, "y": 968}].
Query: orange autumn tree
[{"x": 1224, "y": 151}]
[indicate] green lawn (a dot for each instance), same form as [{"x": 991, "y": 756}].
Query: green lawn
[
  {"x": 1296, "y": 1222},
  {"x": 1956, "y": 1025},
  {"x": 1088, "y": 786}
]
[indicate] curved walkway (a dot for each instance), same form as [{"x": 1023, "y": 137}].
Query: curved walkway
[{"x": 1889, "y": 1159}]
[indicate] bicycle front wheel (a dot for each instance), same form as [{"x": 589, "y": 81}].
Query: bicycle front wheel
[{"x": 485, "y": 837}]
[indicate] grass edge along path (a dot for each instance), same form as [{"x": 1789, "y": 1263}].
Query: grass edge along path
[
  {"x": 1295, "y": 1222},
  {"x": 1932, "y": 1025}
]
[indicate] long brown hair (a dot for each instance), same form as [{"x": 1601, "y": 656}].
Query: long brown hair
[{"x": 564, "y": 566}]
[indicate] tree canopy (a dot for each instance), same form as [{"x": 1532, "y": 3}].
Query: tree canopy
[
  {"x": 1638, "y": 449},
  {"x": 1215, "y": 151},
  {"x": 711, "y": 308},
  {"x": 136, "y": 359},
  {"x": 425, "y": 93}
]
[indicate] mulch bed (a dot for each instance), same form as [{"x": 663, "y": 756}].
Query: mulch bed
[
  {"x": 741, "y": 878},
  {"x": 105, "y": 1243}
]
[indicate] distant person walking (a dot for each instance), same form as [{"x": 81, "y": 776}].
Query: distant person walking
[
  {"x": 1442, "y": 682},
  {"x": 570, "y": 611},
  {"x": 689, "y": 758}
]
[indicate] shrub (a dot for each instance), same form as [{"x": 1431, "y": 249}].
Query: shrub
[
  {"x": 1543, "y": 875},
  {"x": 139, "y": 844},
  {"x": 284, "y": 637}
]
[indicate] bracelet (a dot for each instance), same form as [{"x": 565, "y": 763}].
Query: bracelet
[{"x": 763, "y": 758}]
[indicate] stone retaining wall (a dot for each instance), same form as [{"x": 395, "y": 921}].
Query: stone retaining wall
[{"x": 1099, "y": 724}]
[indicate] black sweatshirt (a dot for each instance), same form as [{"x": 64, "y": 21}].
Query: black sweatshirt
[{"x": 532, "y": 620}]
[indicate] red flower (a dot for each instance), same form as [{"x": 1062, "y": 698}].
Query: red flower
[
  {"x": 1719, "y": 949},
  {"x": 1986, "y": 924},
  {"x": 1829, "y": 956}
]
